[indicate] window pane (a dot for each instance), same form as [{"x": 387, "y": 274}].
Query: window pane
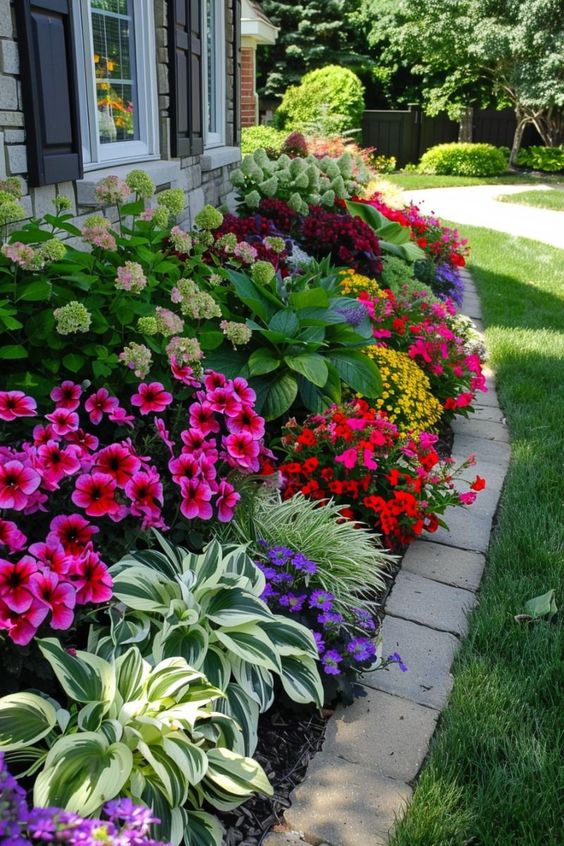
[
  {"x": 114, "y": 64},
  {"x": 211, "y": 48}
]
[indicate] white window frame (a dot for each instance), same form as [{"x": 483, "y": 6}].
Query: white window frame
[
  {"x": 214, "y": 139},
  {"x": 95, "y": 154}
]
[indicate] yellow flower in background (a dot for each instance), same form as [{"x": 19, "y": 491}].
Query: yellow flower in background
[
  {"x": 111, "y": 65},
  {"x": 354, "y": 283},
  {"x": 406, "y": 396},
  {"x": 96, "y": 58}
]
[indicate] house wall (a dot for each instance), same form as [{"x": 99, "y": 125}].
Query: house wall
[
  {"x": 205, "y": 179},
  {"x": 249, "y": 98}
]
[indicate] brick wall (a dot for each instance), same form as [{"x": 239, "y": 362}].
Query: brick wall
[
  {"x": 205, "y": 179},
  {"x": 249, "y": 98}
]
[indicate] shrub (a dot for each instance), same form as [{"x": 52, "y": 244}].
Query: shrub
[
  {"x": 463, "y": 160},
  {"x": 399, "y": 276},
  {"x": 337, "y": 89},
  {"x": 262, "y": 137},
  {"x": 349, "y": 241},
  {"x": 549, "y": 159}
]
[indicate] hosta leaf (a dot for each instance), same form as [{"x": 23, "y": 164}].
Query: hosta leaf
[
  {"x": 173, "y": 821},
  {"x": 203, "y": 829},
  {"x": 231, "y": 778},
  {"x": 169, "y": 679},
  {"x": 357, "y": 370},
  {"x": 309, "y": 365},
  {"x": 191, "y": 759},
  {"x": 145, "y": 590},
  {"x": 171, "y": 775},
  {"x": 188, "y": 642},
  {"x": 245, "y": 712},
  {"x": 286, "y": 322},
  {"x": 290, "y": 637},
  {"x": 255, "y": 681},
  {"x": 234, "y": 607},
  {"x": 24, "y": 719},
  {"x": 131, "y": 672},
  {"x": 84, "y": 677},
  {"x": 252, "y": 644},
  {"x": 216, "y": 667},
  {"x": 238, "y": 562},
  {"x": 263, "y": 361},
  {"x": 280, "y": 396},
  {"x": 301, "y": 680},
  {"x": 81, "y": 772}
]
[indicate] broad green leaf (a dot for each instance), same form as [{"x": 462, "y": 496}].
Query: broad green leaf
[
  {"x": 216, "y": 667},
  {"x": 252, "y": 644},
  {"x": 280, "y": 397},
  {"x": 203, "y": 829},
  {"x": 235, "y": 607},
  {"x": 309, "y": 365},
  {"x": 290, "y": 637},
  {"x": 256, "y": 681},
  {"x": 395, "y": 233},
  {"x": 84, "y": 677},
  {"x": 245, "y": 712},
  {"x": 191, "y": 759},
  {"x": 169, "y": 679},
  {"x": 13, "y": 351},
  {"x": 145, "y": 590},
  {"x": 24, "y": 719},
  {"x": 313, "y": 298},
  {"x": 171, "y": 774},
  {"x": 542, "y": 606},
  {"x": 173, "y": 821},
  {"x": 81, "y": 772},
  {"x": 131, "y": 672},
  {"x": 231, "y": 778},
  {"x": 252, "y": 296},
  {"x": 263, "y": 361},
  {"x": 357, "y": 371},
  {"x": 188, "y": 642},
  {"x": 211, "y": 340},
  {"x": 39, "y": 289},
  {"x": 301, "y": 681},
  {"x": 74, "y": 362},
  {"x": 312, "y": 397},
  {"x": 286, "y": 322}
]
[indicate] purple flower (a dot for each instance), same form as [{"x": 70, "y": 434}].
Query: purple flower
[
  {"x": 126, "y": 811},
  {"x": 352, "y": 312},
  {"x": 395, "y": 658},
  {"x": 329, "y": 619},
  {"x": 282, "y": 578},
  {"x": 361, "y": 649},
  {"x": 292, "y": 602},
  {"x": 319, "y": 642},
  {"x": 331, "y": 661},
  {"x": 302, "y": 563},
  {"x": 269, "y": 572},
  {"x": 268, "y": 593},
  {"x": 321, "y": 599},
  {"x": 448, "y": 283},
  {"x": 280, "y": 555},
  {"x": 364, "y": 619}
]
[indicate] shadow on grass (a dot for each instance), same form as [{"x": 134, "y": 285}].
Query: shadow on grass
[{"x": 531, "y": 307}]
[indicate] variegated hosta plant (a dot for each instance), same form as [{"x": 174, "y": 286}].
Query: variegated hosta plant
[
  {"x": 206, "y": 608},
  {"x": 150, "y": 732}
]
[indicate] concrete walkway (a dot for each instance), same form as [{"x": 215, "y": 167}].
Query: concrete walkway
[
  {"x": 477, "y": 206},
  {"x": 362, "y": 780}
]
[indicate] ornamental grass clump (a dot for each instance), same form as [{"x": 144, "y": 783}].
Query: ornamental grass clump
[{"x": 395, "y": 484}]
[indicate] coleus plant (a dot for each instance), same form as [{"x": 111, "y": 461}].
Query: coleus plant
[
  {"x": 393, "y": 237},
  {"x": 207, "y": 609},
  {"x": 149, "y": 732}
]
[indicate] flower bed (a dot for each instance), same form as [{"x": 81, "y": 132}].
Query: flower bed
[{"x": 202, "y": 482}]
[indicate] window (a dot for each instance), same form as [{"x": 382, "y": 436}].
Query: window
[
  {"x": 214, "y": 72},
  {"x": 117, "y": 85}
]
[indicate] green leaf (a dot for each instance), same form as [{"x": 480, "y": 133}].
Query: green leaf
[
  {"x": 82, "y": 771},
  {"x": 256, "y": 681},
  {"x": 189, "y": 642},
  {"x": 245, "y": 711},
  {"x": 542, "y": 606},
  {"x": 262, "y": 361},
  {"x": 301, "y": 681},
  {"x": 35, "y": 291},
  {"x": 211, "y": 340},
  {"x": 24, "y": 719},
  {"x": 231, "y": 778},
  {"x": 145, "y": 590},
  {"x": 131, "y": 673},
  {"x": 84, "y": 677},
  {"x": 191, "y": 759},
  {"x": 234, "y": 607},
  {"x": 13, "y": 351},
  {"x": 357, "y": 371},
  {"x": 309, "y": 365},
  {"x": 203, "y": 829},
  {"x": 252, "y": 296},
  {"x": 286, "y": 322},
  {"x": 134, "y": 208},
  {"x": 216, "y": 667},
  {"x": 252, "y": 644},
  {"x": 170, "y": 773},
  {"x": 282, "y": 393},
  {"x": 313, "y": 298},
  {"x": 290, "y": 637},
  {"x": 74, "y": 362},
  {"x": 170, "y": 679}
]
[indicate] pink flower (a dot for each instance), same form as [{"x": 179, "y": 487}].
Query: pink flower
[
  {"x": 163, "y": 433},
  {"x": 467, "y": 498},
  {"x": 368, "y": 461},
  {"x": 244, "y": 450},
  {"x": 183, "y": 373},
  {"x": 184, "y": 467},
  {"x": 86, "y": 441},
  {"x": 17, "y": 483},
  {"x": 11, "y": 536},
  {"x": 348, "y": 458},
  {"x": 22, "y": 627},
  {"x": 15, "y": 581},
  {"x": 73, "y": 531},
  {"x": 67, "y": 395},
  {"x": 95, "y": 493},
  {"x": 224, "y": 401},
  {"x": 145, "y": 489},
  {"x": 120, "y": 416},
  {"x": 56, "y": 462},
  {"x": 51, "y": 555},
  {"x": 118, "y": 462},
  {"x": 43, "y": 434},
  {"x": 203, "y": 418},
  {"x": 99, "y": 404},
  {"x": 427, "y": 440},
  {"x": 64, "y": 421},
  {"x": 91, "y": 579},
  {"x": 249, "y": 421},
  {"x": 15, "y": 404},
  {"x": 242, "y": 390},
  {"x": 196, "y": 496},
  {"x": 59, "y": 597},
  {"x": 227, "y": 499},
  {"x": 213, "y": 380},
  {"x": 151, "y": 397}
]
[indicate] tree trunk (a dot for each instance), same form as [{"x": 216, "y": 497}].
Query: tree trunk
[
  {"x": 550, "y": 126},
  {"x": 466, "y": 125},
  {"x": 522, "y": 122}
]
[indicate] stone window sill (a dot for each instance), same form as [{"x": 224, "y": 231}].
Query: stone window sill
[
  {"x": 163, "y": 173},
  {"x": 217, "y": 157}
]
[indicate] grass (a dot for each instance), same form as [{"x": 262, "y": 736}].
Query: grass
[
  {"x": 493, "y": 773},
  {"x": 549, "y": 199},
  {"x": 415, "y": 181}
]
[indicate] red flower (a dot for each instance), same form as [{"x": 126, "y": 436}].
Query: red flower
[
  {"x": 67, "y": 395},
  {"x": 73, "y": 532},
  {"x": 15, "y": 582},
  {"x": 478, "y": 484},
  {"x": 151, "y": 397},
  {"x": 59, "y": 596},
  {"x": 196, "y": 496},
  {"x": 95, "y": 493},
  {"x": 99, "y": 404},
  {"x": 307, "y": 438},
  {"x": 15, "y": 404},
  {"x": 11, "y": 536},
  {"x": 17, "y": 483},
  {"x": 91, "y": 579},
  {"x": 118, "y": 462},
  {"x": 63, "y": 421}
]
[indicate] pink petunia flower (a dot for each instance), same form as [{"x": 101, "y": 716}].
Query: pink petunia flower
[
  {"x": 43, "y": 434},
  {"x": 196, "y": 496},
  {"x": 51, "y": 555},
  {"x": 17, "y": 483},
  {"x": 15, "y": 582},
  {"x": 243, "y": 450},
  {"x": 59, "y": 597},
  {"x": 183, "y": 372},
  {"x": 56, "y": 462},
  {"x": 67, "y": 395},
  {"x": 247, "y": 420},
  {"x": 22, "y": 627},
  {"x": 86, "y": 441},
  {"x": 467, "y": 498},
  {"x": 99, "y": 404},
  {"x": 72, "y": 531},
  {"x": 91, "y": 579},
  {"x": 227, "y": 499},
  {"x": 95, "y": 493},
  {"x": 184, "y": 467},
  {"x": 145, "y": 489},
  {"x": 63, "y": 421},
  {"x": 15, "y": 404},
  {"x": 151, "y": 397},
  {"x": 348, "y": 458},
  {"x": 213, "y": 380},
  {"x": 163, "y": 433},
  {"x": 224, "y": 401},
  {"x": 11, "y": 536},
  {"x": 118, "y": 462},
  {"x": 203, "y": 418},
  {"x": 242, "y": 390}
]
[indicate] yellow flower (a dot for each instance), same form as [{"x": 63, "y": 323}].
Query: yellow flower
[
  {"x": 406, "y": 394},
  {"x": 354, "y": 283}
]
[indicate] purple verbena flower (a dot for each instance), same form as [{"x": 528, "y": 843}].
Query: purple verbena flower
[
  {"x": 364, "y": 619},
  {"x": 292, "y": 602},
  {"x": 361, "y": 649},
  {"x": 302, "y": 563},
  {"x": 319, "y": 642},
  {"x": 330, "y": 619},
  {"x": 321, "y": 599},
  {"x": 331, "y": 661},
  {"x": 395, "y": 658}
]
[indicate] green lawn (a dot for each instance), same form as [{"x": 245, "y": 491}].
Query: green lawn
[
  {"x": 415, "y": 181},
  {"x": 493, "y": 774},
  {"x": 549, "y": 199}
]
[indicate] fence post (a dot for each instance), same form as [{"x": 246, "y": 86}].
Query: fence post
[{"x": 413, "y": 153}]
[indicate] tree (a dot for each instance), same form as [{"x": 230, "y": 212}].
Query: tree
[
  {"x": 479, "y": 52},
  {"x": 313, "y": 33}
]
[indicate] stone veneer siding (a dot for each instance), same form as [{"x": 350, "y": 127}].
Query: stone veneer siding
[{"x": 205, "y": 179}]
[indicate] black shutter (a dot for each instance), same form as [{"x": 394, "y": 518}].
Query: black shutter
[
  {"x": 49, "y": 90},
  {"x": 236, "y": 73},
  {"x": 185, "y": 68}
]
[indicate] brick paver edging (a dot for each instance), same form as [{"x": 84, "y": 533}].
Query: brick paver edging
[{"x": 361, "y": 782}]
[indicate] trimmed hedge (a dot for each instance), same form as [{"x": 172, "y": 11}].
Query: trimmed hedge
[
  {"x": 334, "y": 92},
  {"x": 262, "y": 137},
  {"x": 463, "y": 160},
  {"x": 548, "y": 159}
]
